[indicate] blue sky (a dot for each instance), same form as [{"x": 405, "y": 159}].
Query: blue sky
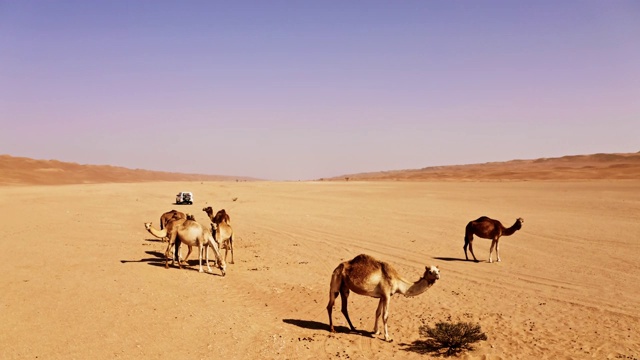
[{"x": 298, "y": 90}]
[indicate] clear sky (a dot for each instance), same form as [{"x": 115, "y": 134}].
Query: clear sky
[{"x": 298, "y": 90}]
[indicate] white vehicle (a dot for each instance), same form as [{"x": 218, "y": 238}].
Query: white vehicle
[{"x": 184, "y": 197}]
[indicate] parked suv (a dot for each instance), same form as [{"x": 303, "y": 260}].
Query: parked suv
[{"x": 184, "y": 197}]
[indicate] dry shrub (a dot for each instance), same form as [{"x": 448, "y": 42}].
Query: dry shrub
[{"x": 453, "y": 338}]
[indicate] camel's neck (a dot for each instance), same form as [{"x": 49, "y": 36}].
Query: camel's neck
[
  {"x": 515, "y": 227},
  {"x": 158, "y": 233},
  {"x": 214, "y": 245},
  {"x": 416, "y": 288}
]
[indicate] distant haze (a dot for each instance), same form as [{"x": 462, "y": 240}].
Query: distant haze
[{"x": 304, "y": 90}]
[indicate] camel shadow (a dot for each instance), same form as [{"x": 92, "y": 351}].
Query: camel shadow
[
  {"x": 452, "y": 259},
  {"x": 150, "y": 261},
  {"x": 159, "y": 261},
  {"x": 154, "y": 240},
  {"x": 315, "y": 325},
  {"x": 159, "y": 255}
]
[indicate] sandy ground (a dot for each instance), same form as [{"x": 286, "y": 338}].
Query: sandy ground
[{"x": 83, "y": 279}]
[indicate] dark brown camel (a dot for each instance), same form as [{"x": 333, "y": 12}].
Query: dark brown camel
[
  {"x": 488, "y": 228},
  {"x": 221, "y": 214},
  {"x": 170, "y": 216}
]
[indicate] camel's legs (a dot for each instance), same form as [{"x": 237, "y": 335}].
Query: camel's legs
[
  {"x": 376, "y": 330},
  {"x": 167, "y": 253},
  {"x": 187, "y": 257},
  {"x": 334, "y": 290},
  {"x": 336, "y": 287},
  {"x": 344, "y": 295},
  {"x": 228, "y": 244},
  {"x": 472, "y": 253},
  {"x": 332, "y": 300},
  {"x": 493, "y": 244},
  {"x": 385, "y": 316},
  {"x": 206, "y": 250},
  {"x": 199, "y": 256},
  {"x": 468, "y": 242},
  {"x": 215, "y": 263},
  {"x": 498, "y": 250},
  {"x": 176, "y": 250}
]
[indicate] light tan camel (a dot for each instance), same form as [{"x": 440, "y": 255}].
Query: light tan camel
[
  {"x": 191, "y": 233},
  {"x": 365, "y": 275},
  {"x": 222, "y": 230},
  {"x": 488, "y": 228},
  {"x": 163, "y": 234},
  {"x": 170, "y": 216},
  {"x": 168, "y": 225}
]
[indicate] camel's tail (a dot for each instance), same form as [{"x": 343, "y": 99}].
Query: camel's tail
[{"x": 466, "y": 234}]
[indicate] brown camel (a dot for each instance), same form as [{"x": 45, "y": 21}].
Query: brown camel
[
  {"x": 488, "y": 228},
  {"x": 191, "y": 233},
  {"x": 222, "y": 231},
  {"x": 368, "y": 276},
  {"x": 170, "y": 216},
  {"x": 222, "y": 213}
]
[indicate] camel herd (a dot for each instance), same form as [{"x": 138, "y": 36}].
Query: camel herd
[
  {"x": 179, "y": 228},
  {"x": 363, "y": 274}
]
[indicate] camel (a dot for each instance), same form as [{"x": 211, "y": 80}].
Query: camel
[
  {"x": 168, "y": 225},
  {"x": 191, "y": 233},
  {"x": 365, "y": 275},
  {"x": 488, "y": 228},
  {"x": 221, "y": 213},
  {"x": 222, "y": 231},
  {"x": 170, "y": 216}
]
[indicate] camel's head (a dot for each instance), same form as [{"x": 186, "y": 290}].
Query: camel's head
[
  {"x": 519, "y": 222},
  {"x": 222, "y": 265},
  {"x": 147, "y": 225},
  {"x": 208, "y": 210},
  {"x": 431, "y": 273}
]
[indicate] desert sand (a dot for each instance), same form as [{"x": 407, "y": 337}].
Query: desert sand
[{"x": 83, "y": 279}]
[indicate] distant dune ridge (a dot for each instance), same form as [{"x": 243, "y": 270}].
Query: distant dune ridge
[
  {"x": 26, "y": 171},
  {"x": 574, "y": 167}
]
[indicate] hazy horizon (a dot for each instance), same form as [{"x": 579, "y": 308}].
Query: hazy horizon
[{"x": 305, "y": 90}]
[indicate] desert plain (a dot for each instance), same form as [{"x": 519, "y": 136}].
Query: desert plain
[{"x": 83, "y": 279}]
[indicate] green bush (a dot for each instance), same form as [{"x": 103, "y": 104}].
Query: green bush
[{"x": 453, "y": 338}]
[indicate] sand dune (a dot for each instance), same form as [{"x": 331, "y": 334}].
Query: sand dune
[
  {"x": 576, "y": 167},
  {"x": 26, "y": 171}
]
